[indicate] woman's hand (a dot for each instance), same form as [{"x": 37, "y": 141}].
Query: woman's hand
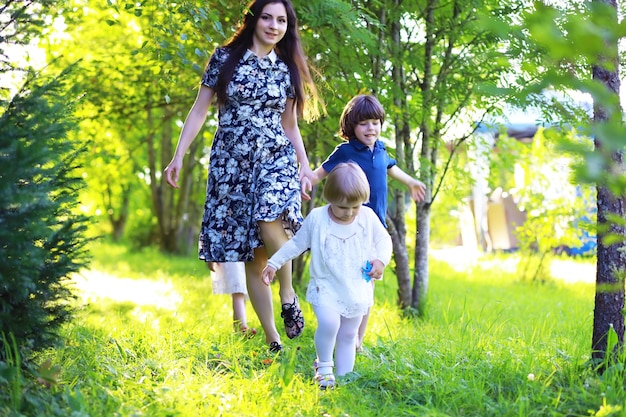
[
  {"x": 172, "y": 172},
  {"x": 306, "y": 182}
]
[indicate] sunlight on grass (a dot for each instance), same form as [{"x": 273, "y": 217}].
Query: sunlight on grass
[
  {"x": 466, "y": 260},
  {"x": 154, "y": 341},
  {"x": 93, "y": 285}
]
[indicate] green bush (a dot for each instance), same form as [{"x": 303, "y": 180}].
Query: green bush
[{"x": 42, "y": 239}]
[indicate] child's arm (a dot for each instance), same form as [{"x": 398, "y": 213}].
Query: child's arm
[
  {"x": 416, "y": 187},
  {"x": 288, "y": 251},
  {"x": 383, "y": 246},
  {"x": 267, "y": 276},
  {"x": 291, "y": 249},
  {"x": 318, "y": 175},
  {"x": 376, "y": 272}
]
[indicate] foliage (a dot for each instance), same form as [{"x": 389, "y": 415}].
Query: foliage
[
  {"x": 138, "y": 75},
  {"x": 42, "y": 233},
  {"x": 568, "y": 40},
  {"x": 436, "y": 67},
  {"x": 22, "y": 22},
  {"x": 539, "y": 179},
  {"x": 488, "y": 345}
]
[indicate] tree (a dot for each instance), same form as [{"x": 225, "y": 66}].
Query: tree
[
  {"x": 608, "y": 315},
  {"x": 139, "y": 74}
]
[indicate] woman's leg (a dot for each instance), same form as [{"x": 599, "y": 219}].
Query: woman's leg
[
  {"x": 261, "y": 295},
  {"x": 346, "y": 338},
  {"x": 274, "y": 236}
]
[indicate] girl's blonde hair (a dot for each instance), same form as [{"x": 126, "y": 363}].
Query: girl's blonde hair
[{"x": 347, "y": 183}]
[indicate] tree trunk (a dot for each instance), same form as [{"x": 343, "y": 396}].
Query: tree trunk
[
  {"x": 176, "y": 213},
  {"x": 118, "y": 222},
  {"x": 402, "y": 125},
  {"x": 611, "y": 258},
  {"x": 609, "y": 299},
  {"x": 427, "y": 167},
  {"x": 185, "y": 224},
  {"x": 422, "y": 242},
  {"x": 401, "y": 257}
]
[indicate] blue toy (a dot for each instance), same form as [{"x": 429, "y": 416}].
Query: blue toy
[{"x": 368, "y": 268}]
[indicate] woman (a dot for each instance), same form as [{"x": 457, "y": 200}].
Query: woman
[{"x": 260, "y": 79}]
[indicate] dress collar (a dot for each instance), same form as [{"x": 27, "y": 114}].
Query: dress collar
[{"x": 272, "y": 56}]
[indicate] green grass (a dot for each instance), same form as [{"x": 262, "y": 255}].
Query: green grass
[{"x": 488, "y": 345}]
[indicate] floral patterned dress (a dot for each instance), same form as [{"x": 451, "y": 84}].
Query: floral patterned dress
[{"x": 253, "y": 169}]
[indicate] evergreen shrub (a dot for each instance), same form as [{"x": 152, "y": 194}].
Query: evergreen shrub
[{"x": 42, "y": 234}]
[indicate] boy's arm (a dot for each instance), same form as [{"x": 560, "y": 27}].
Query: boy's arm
[
  {"x": 319, "y": 174},
  {"x": 415, "y": 186}
]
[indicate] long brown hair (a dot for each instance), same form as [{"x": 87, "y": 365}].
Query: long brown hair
[{"x": 289, "y": 49}]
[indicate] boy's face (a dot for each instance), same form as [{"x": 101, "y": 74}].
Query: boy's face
[{"x": 368, "y": 131}]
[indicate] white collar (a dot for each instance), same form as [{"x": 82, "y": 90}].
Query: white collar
[{"x": 272, "y": 55}]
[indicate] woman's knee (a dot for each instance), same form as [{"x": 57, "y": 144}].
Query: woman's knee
[{"x": 273, "y": 235}]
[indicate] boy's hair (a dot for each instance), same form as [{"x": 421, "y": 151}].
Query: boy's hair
[
  {"x": 347, "y": 183},
  {"x": 359, "y": 108}
]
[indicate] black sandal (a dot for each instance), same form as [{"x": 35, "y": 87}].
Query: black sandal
[
  {"x": 275, "y": 347},
  {"x": 293, "y": 319}
]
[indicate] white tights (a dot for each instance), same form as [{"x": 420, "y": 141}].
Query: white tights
[{"x": 338, "y": 334}]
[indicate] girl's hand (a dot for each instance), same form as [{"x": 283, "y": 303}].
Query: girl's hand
[
  {"x": 267, "y": 276},
  {"x": 377, "y": 269}
]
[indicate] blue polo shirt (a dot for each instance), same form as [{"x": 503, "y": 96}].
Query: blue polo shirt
[{"x": 375, "y": 165}]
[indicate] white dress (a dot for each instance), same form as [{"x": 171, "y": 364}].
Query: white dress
[
  {"x": 338, "y": 254},
  {"x": 229, "y": 278}
]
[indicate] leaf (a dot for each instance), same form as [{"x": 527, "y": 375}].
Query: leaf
[{"x": 47, "y": 374}]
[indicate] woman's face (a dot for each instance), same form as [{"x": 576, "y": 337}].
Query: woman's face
[{"x": 271, "y": 26}]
